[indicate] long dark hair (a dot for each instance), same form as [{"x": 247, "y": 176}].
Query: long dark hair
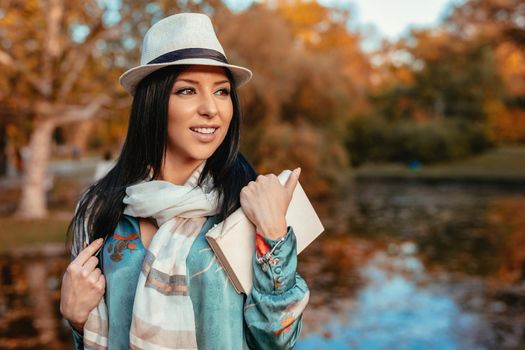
[{"x": 100, "y": 207}]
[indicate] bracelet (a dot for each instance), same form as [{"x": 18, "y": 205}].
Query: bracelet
[{"x": 268, "y": 258}]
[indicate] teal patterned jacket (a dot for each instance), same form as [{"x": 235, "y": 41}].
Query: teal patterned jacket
[{"x": 269, "y": 317}]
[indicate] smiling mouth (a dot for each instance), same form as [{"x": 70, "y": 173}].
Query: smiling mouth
[{"x": 205, "y": 131}]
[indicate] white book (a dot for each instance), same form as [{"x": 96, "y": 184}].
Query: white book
[{"x": 233, "y": 240}]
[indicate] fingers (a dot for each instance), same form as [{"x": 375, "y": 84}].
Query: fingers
[
  {"x": 94, "y": 276},
  {"x": 90, "y": 264},
  {"x": 89, "y": 251},
  {"x": 292, "y": 181},
  {"x": 90, "y": 271},
  {"x": 290, "y": 184},
  {"x": 101, "y": 283}
]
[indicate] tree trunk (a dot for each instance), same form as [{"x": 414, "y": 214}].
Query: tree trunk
[
  {"x": 33, "y": 201},
  {"x": 80, "y": 134}
]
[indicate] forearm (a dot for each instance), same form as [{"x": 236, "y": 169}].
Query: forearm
[{"x": 279, "y": 295}]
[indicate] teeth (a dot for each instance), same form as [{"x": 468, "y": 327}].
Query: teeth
[{"x": 204, "y": 130}]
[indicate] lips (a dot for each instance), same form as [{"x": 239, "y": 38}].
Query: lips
[
  {"x": 204, "y": 130},
  {"x": 204, "y": 133}
]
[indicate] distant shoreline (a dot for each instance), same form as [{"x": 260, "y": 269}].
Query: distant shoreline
[
  {"x": 500, "y": 166},
  {"x": 514, "y": 183}
]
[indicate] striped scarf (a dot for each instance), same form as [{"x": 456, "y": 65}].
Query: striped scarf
[{"x": 163, "y": 315}]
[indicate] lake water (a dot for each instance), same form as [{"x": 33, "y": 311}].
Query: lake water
[
  {"x": 419, "y": 266},
  {"x": 401, "y": 266}
]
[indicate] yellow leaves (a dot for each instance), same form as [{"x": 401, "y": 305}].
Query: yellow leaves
[
  {"x": 405, "y": 76},
  {"x": 505, "y": 125},
  {"x": 511, "y": 66},
  {"x": 314, "y": 27},
  {"x": 303, "y": 15}
]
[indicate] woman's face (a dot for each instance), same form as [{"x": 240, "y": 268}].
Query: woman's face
[{"x": 199, "y": 113}]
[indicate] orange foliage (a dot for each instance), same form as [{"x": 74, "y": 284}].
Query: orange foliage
[
  {"x": 305, "y": 17},
  {"x": 505, "y": 124},
  {"x": 511, "y": 66},
  {"x": 322, "y": 159}
]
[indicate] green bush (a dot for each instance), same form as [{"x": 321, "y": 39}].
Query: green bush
[
  {"x": 367, "y": 139},
  {"x": 372, "y": 139}
]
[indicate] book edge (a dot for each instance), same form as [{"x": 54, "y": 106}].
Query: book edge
[{"x": 226, "y": 264}]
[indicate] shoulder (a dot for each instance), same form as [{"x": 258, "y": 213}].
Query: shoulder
[
  {"x": 127, "y": 225},
  {"x": 125, "y": 239}
]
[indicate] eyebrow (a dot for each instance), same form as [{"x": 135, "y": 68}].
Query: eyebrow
[{"x": 196, "y": 82}]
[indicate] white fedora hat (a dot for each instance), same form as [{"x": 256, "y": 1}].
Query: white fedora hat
[{"x": 184, "y": 38}]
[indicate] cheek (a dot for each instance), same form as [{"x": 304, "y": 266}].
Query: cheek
[
  {"x": 227, "y": 124},
  {"x": 229, "y": 113},
  {"x": 177, "y": 118},
  {"x": 175, "y": 132},
  {"x": 176, "y": 111}
]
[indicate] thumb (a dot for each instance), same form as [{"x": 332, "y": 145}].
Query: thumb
[{"x": 291, "y": 183}]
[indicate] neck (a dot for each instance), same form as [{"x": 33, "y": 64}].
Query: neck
[{"x": 176, "y": 170}]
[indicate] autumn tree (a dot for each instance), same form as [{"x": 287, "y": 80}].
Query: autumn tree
[
  {"x": 309, "y": 77},
  {"x": 499, "y": 26},
  {"x": 60, "y": 64},
  {"x": 488, "y": 21},
  {"x": 465, "y": 76}
]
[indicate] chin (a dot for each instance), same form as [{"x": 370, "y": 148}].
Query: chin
[
  {"x": 203, "y": 155},
  {"x": 206, "y": 152}
]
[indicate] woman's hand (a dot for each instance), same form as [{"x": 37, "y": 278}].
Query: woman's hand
[
  {"x": 83, "y": 286},
  {"x": 265, "y": 202}
]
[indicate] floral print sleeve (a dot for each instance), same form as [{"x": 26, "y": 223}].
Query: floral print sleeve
[
  {"x": 274, "y": 306},
  {"x": 121, "y": 260}
]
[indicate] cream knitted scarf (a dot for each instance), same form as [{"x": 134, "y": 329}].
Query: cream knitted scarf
[{"x": 162, "y": 311}]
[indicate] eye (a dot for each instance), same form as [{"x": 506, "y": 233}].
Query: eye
[
  {"x": 224, "y": 92},
  {"x": 185, "y": 91}
]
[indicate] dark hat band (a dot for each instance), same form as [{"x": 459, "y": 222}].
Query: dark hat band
[{"x": 182, "y": 54}]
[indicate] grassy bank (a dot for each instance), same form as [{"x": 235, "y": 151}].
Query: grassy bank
[
  {"x": 16, "y": 233},
  {"x": 505, "y": 165}
]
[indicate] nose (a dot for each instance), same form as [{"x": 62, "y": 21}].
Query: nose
[{"x": 208, "y": 106}]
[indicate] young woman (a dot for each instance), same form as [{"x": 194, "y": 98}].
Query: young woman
[{"x": 159, "y": 285}]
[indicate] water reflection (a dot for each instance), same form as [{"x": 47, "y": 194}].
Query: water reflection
[
  {"x": 401, "y": 266},
  {"x": 399, "y": 308},
  {"x": 458, "y": 228},
  {"x": 29, "y": 299},
  {"x": 444, "y": 270}
]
